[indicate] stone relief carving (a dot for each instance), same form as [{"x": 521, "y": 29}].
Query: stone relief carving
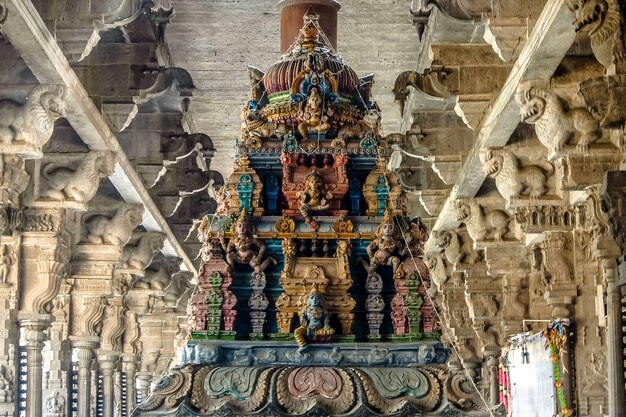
[
  {"x": 116, "y": 230},
  {"x": 457, "y": 251},
  {"x": 36, "y": 220},
  {"x": 482, "y": 224},
  {"x": 9, "y": 258},
  {"x": 55, "y": 405},
  {"x": 78, "y": 183},
  {"x": 6, "y": 385},
  {"x": 438, "y": 274},
  {"x": 160, "y": 279},
  {"x": 602, "y": 20},
  {"x": 14, "y": 179},
  {"x": 139, "y": 255},
  {"x": 90, "y": 323},
  {"x": 31, "y": 124},
  {"x": 555, "y": 124},
  {"x": 514, "y": 180}
]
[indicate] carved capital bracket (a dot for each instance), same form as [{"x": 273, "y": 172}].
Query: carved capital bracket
[
  {"x": 25, "y": 128},
  {"x": 45, "y": 255}
]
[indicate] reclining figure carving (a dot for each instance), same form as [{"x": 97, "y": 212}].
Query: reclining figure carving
[
  {"x": 554, "y": 124},
  {"x": 33, "y": 121},
  {"x": 116, "y": 230},
  {"x": 480, "y": 223},
  {"x": 513, "y": 180},
  {"x": 79, "y": 184},
  {"x": 604, "y": 23}
]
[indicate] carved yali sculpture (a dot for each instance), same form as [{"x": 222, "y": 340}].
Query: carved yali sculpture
[
  {"x": 554, "y": 124},
  {"x": 482, "y": 224},
  {"x": 116, "y": 230},
  {"x": 314, "y": 319},
  {"x": 385, "y": 247},
  {"x": 602, "y": 20},
  {"x": 31, "y": 124},
  {"x": 140, "y": 255},
  {"x": 80, "y": 183},
  {"x": 245, "y": 248},
  {"x": 513, "y": 180}
]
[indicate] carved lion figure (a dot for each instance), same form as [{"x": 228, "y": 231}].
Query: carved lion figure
[
  {"x": 554, "y": 124},
  {"x": 513, "y": 180},
  {"x": 116, "y": 230},
  {"x": 456, "y": 251},
  {"x": 603, "y": 21},
  {"x": 32, "y": 122},
  {"x": 481, "y": 224},
  {"x": 78, "y": 184},
  {"x": 140, "y": 255},
  {"x": 159, "y": 280}
]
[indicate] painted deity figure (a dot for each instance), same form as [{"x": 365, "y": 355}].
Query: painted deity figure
[
  {"x": 382, "y": 249},
  {"x": 313, "y": 114},
  {"x": 313, "y": 197},
  {"x": 314, "y": 320},
  {"x": 245, "y": 248}
]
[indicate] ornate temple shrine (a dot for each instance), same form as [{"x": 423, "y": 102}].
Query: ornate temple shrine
[{"x": 312, "y": 296}]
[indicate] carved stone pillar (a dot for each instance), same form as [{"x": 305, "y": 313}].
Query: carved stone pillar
[
  {"x": 58, "y": 354},
  {"x": 107, "y": 364},
  {"x": 143, "y": 384},
  {"x": 608, "y": 249},
  {"x": 112, "y": 331},
  {"x": 85, "y": 347},
  {"x": 33, "y": 327},
  {"x": 9, "y": 250},
  {"x": 129, "y": 367},
  {"x": 45, "y": 253}
]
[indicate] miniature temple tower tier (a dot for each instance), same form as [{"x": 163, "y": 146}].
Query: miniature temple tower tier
[{"x": 310, "y": 237}]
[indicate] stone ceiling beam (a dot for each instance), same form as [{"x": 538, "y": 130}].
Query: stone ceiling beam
[
  {"x": 548, "y": 43},
  {"x": 29, "y": 35}
]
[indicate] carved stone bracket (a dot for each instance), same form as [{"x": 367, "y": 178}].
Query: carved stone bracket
[{"x": 25, "y": 128}]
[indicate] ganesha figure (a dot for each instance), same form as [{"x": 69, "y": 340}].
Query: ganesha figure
[
  {"x": 245, "y": 248},
  {"x": 313, "y": 197},
  {"x": 384, "y": 247},
  {"x": 314, "y": 320}
]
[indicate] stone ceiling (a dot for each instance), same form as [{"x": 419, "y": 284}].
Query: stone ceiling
[{"x": 215, "y": 40}]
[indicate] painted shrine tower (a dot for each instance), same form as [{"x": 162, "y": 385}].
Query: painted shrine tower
[{"x": 312, "y": 297}]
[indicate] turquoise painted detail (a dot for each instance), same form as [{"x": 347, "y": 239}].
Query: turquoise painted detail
[
  {"x": 369, "y": 142},
  {"x": 245, "y": 186},
  {"x": 290, "y": 143},
  {"x": 382, "y": 195}
]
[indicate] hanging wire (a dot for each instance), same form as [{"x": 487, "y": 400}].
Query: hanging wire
[{"x": 444, "y": 328}]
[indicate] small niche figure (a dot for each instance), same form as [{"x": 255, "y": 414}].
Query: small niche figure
[
  {"x": 246, "y": 248},
  {"x": 314, "y": 320},
  {"x": 313, "y": 197},
  {"x": 381, "y": 250}
]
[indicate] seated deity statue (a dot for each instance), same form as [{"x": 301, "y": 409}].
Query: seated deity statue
[
  {"x": 314, "y": 319},
  {"x": 245, "y": 248},
  {"x": 384, "y": 248}
]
